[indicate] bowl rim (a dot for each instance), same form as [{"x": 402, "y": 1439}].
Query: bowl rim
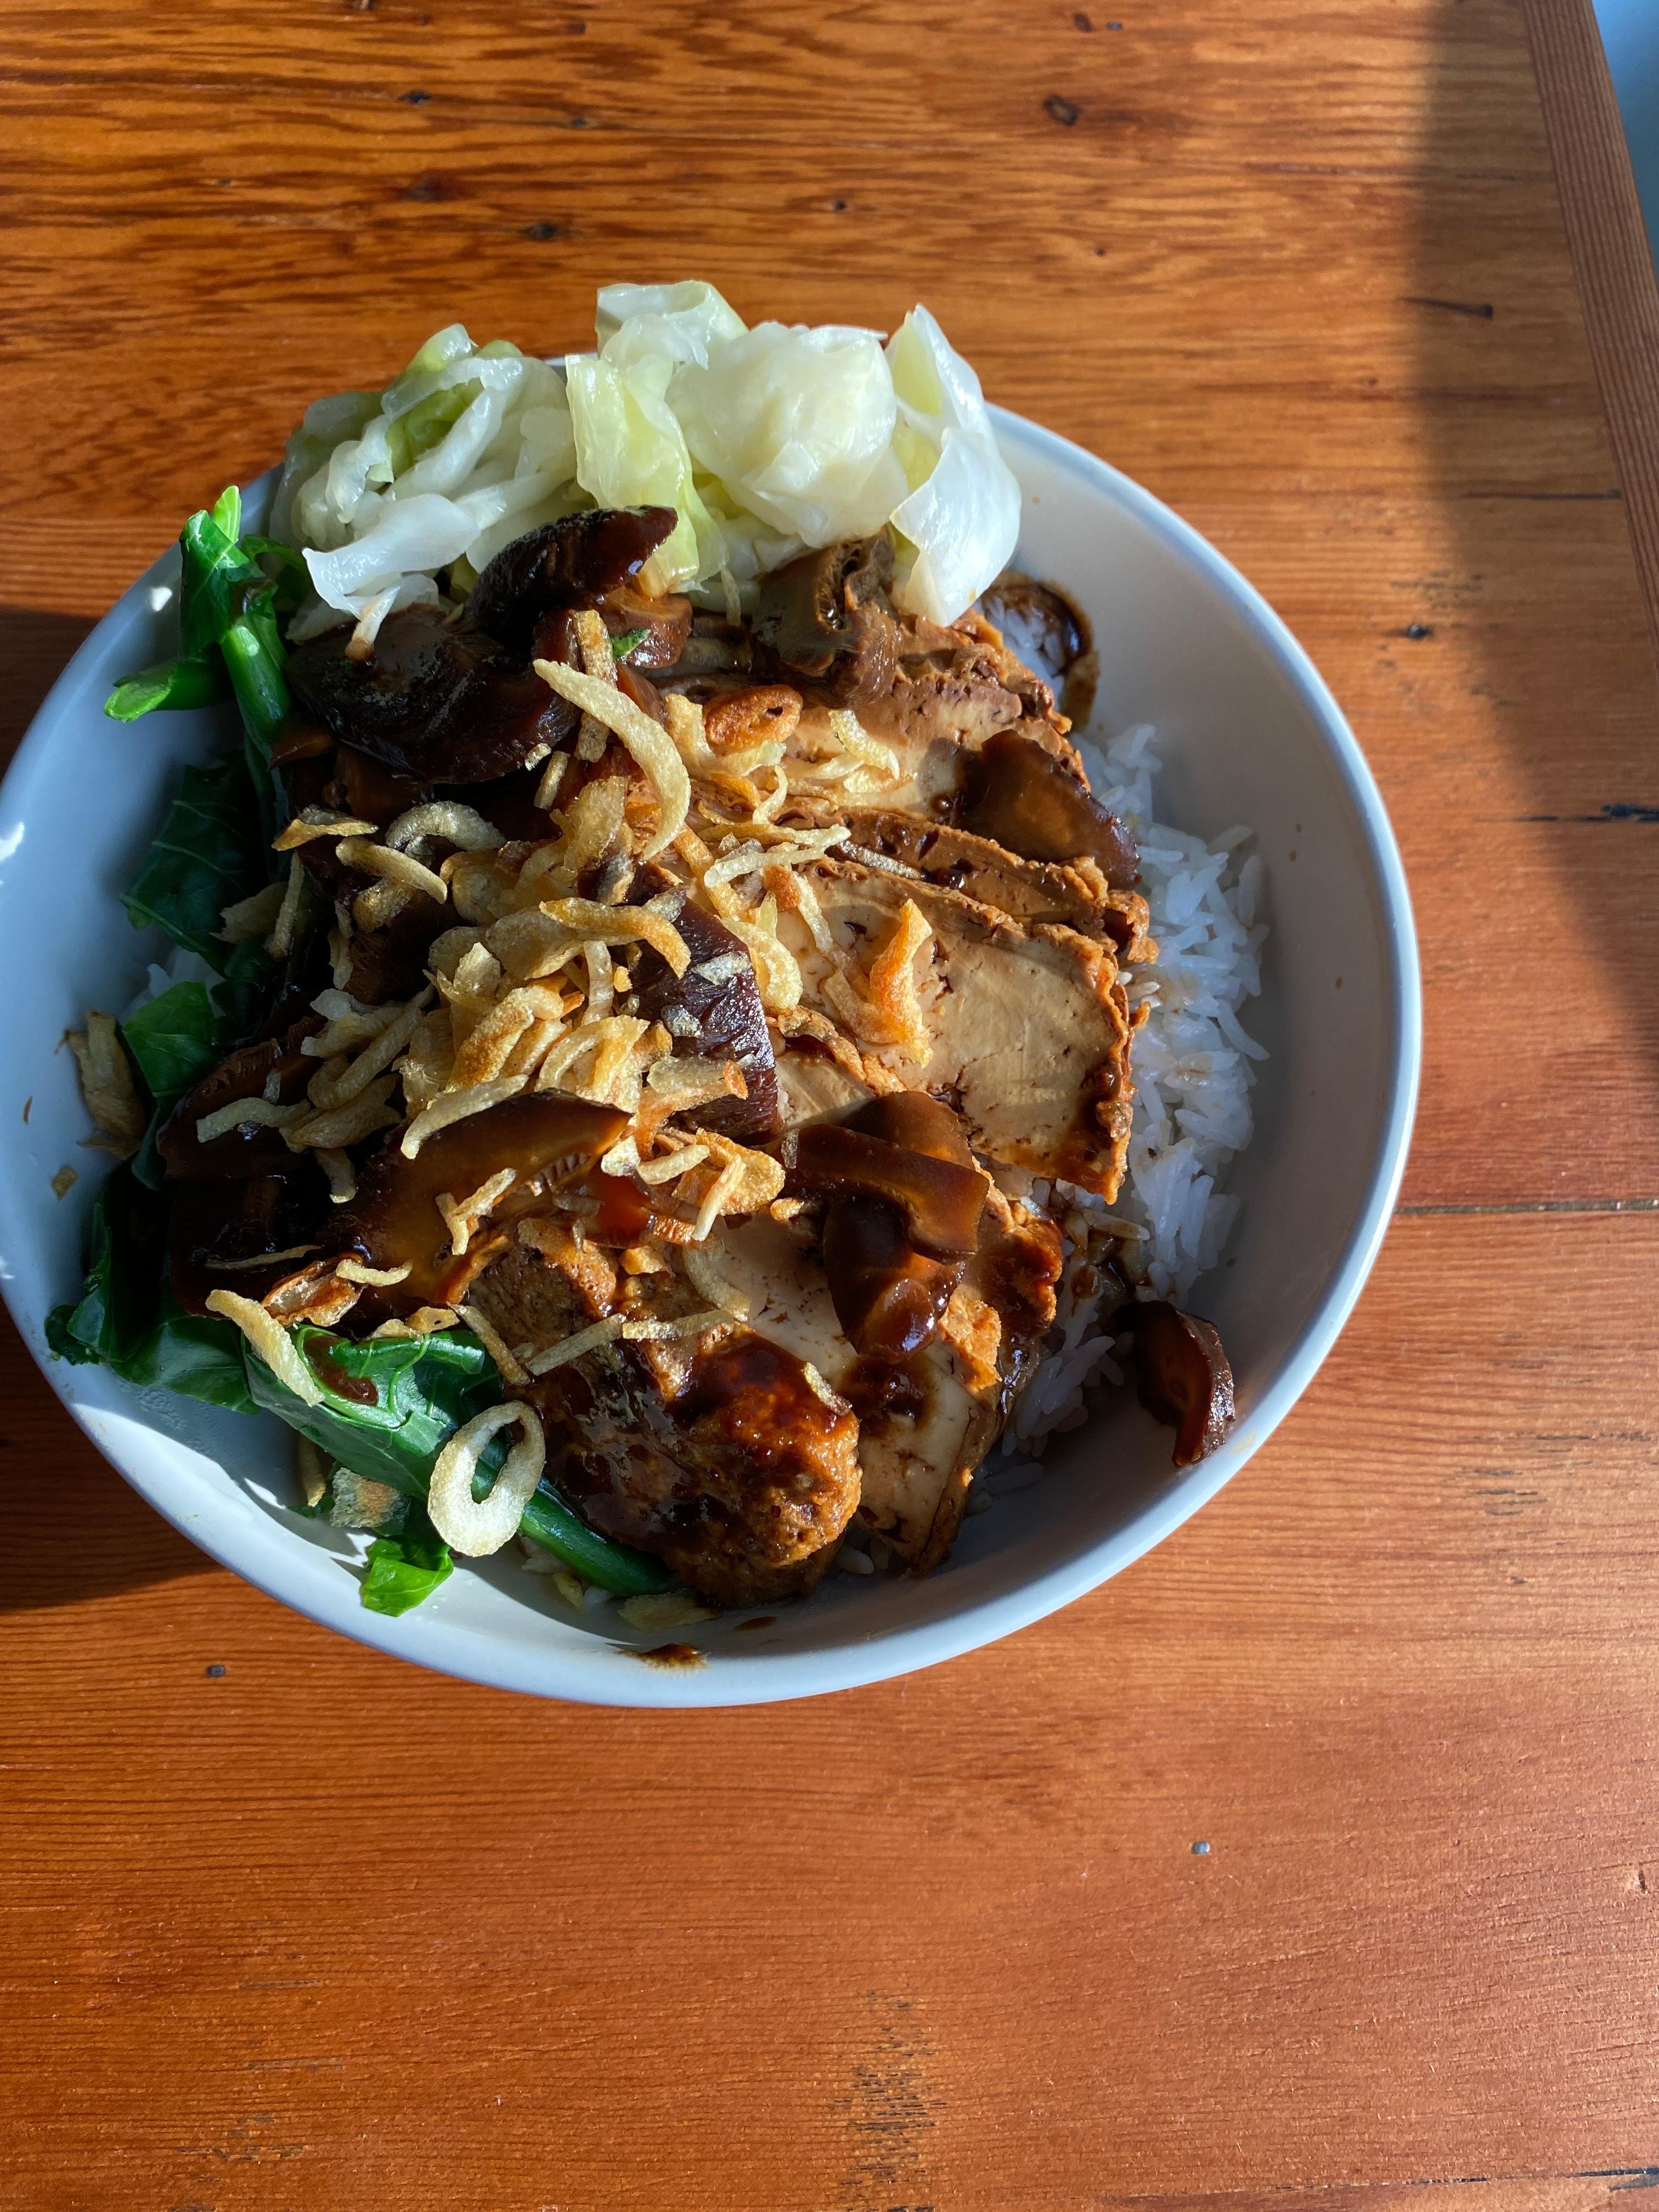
[{"x": 497, "y": 1663}]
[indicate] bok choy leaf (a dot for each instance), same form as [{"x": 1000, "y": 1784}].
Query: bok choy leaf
[
  {"x": 390, "y": 1404},
  {"x": 127, "y": 1318},
  {"x": 210, "y": 852}
]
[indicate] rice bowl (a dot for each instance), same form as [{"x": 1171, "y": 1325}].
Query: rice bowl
[{"x": 1070, "y": 1535}]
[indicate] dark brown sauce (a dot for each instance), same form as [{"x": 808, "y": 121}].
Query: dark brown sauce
[
  {"x": 1051, "y": 618},
  {"x": 883, "y": 1390},
  {"x": 1081, "y": 674},
  {"x": 940, "y": 1198},
  {"x": 889, "y": 1299},
  {"x": 624, "y": 1213},
  {"x": 394, "y": 1216},
  {"x": 1077, "y": 692},
  {"x": 357, "y": 1388},
  {"x": 683, "y": 1656},
  {"x": 767, "y": 1385}
]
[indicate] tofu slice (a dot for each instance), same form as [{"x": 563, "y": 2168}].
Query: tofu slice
[
  {"x": 1029, "y": 1023},
  {"x": 1076, "y": 897},
  {"x": 915, "y": 1472}
]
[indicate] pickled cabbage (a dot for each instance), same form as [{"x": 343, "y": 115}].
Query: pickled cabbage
[{"x": 765, "y": 441}]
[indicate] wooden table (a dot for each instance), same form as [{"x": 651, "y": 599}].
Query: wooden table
[{"x": 288, "y": 1925}]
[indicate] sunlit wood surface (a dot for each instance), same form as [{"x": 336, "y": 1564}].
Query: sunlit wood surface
[{"x": 284, "y": 1924}]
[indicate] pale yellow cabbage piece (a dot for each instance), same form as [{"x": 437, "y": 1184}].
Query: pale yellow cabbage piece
[
  {"x": 961, "y": 519},
  {"x": 797, "y": 425}
]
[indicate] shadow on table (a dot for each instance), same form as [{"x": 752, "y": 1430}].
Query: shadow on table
[
  {"x": 1539, "y": 567},
  {"x": 74, "y": 1531},
  {"x": 34, "y": 646}
]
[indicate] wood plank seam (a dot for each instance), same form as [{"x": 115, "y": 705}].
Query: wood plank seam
[{"x": 1526, "y": 1206}]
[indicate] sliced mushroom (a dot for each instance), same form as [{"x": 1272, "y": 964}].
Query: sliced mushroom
[
  {"x": 1015, "y": 792},
  {"x": 657, "y": 626},
  {"x": 713, "y": 1012},
  {"x": 902, "y": 1220},
  {"x": 889, "y": 1299},
  {"x": 436, "y": 700},
  {"x": 716, "y": 651},
  {"x": 218, "y": 1233},
  {"x": 394, "y": 1217},
  {"x": 573, "y": 562},
  {"x": 1182, "y": 1376},
  {"x": 825, "y": 617},
  {"x": 247, "y": 1074},
  {"x": 918, "y": 1121},
  {"x": 940, "y": 1201}
]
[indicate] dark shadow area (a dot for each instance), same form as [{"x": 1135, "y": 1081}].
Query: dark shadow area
[
  {"x": 1527, "y": 766},
  {"x": 74, "y": 1530},
  {"x": 34, "y": 646}
]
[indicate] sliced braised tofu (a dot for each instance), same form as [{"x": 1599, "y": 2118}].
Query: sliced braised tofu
[
  {"x": 1027, "y": 1026},
  {"x": 918, "y": 1447},
  {"x": 1027, "y": 891},
  {"x": 814, "y": 1087},
  {"x": 924, "y": 1422}
]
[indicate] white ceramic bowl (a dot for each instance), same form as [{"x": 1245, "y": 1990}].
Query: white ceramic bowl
[{"x": 1248, "y": 733}]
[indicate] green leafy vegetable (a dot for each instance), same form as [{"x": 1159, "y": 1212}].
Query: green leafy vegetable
[
  {"x": 228, "y": 630},
  {"x": 180, "y": 682},
  {"x": 624, "y": 642},
  {"x": 111, "y": 1317},
  {"x": 174, "y": 1038},
  {"x": 242, "y": 998},
  {"x": 406, "y": 1568},
  {"x": 126, "y": 1317},
  {"x": 182, "y": 1034},
  {"x": 423, "y": 1388},
  {"x": 195, "y": 1354},
  {"x": 210, "y": 852},
  {"x": 227, "y": 602}
]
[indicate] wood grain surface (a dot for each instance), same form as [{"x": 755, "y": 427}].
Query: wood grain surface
[
  {"x": 1612, "y": 254},
  {"x": 285, "y": 1924}
]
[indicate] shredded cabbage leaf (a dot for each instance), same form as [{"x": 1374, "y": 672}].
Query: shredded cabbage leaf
[
  {"x": 765, "y": 442},
  {"x": 961, "y": 515}
]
